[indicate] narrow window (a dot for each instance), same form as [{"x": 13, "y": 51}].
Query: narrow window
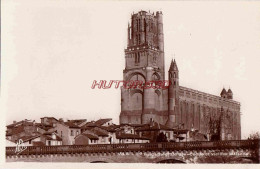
[
  {"x": 139, "y": 39},
  {"x": 140, "y": 28},
  {"x": 137, "y": 25},
  {"x": 130, "y": 33},
  {"x": 71, "y": 133}
]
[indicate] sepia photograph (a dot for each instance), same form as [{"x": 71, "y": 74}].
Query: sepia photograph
[{"x": 130, "y": 82}]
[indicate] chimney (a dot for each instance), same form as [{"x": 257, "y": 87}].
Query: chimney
[{"x": 14, "y": 122}]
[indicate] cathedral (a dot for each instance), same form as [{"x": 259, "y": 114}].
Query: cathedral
[{"x": 175, "y": 106}]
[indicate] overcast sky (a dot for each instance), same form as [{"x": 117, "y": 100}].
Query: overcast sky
[{"x": 52, "y": 51}]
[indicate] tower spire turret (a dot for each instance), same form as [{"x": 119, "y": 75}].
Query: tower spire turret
[
  {"x": 173, "y": 66},
  {"x": 173, "y": 94}
]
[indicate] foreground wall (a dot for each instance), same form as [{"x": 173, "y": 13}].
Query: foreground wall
[{"x": 246, "y": 151}]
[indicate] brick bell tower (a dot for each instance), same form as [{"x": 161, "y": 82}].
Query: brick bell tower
[
  {"x": 144, "y": 61},
  {"x": 173, "y": 95}
]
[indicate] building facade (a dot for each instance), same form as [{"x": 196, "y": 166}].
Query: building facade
[{"x": 175, "y": 106}]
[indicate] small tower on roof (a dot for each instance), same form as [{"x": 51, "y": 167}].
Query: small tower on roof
[
  {"x": 173, "y": 66},
  {"x": 223, "y": 93},
  {"x": 229, "y": 94},
  {"x": 173, "y": 95}
]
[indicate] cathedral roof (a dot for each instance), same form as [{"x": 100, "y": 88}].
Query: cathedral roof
[{"x": 173, "y": 66}]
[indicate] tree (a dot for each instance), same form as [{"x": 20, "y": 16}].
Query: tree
[
  {"x": 161, "y": 138},
  {"x": 254, "y": 136},
  {"x": 214, "y": 129}
]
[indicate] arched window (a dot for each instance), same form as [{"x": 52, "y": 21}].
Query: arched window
[
  {"x": 137, "y": 57},
  {"x": 170, "y": 75},
  {"x": 174, "y": 75}
]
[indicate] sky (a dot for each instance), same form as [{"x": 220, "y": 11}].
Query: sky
[{"x": 52, "y": 51}]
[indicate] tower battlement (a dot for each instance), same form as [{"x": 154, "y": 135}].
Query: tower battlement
[{"x": 146, "y": 29}]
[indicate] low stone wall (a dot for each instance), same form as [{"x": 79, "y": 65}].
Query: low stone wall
[{"x": 243, "y": 151}]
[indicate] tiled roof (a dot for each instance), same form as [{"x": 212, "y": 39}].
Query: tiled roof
[
  {"x": 23, "y": 122},
  {"x": 16, "y": 130},
  {"x": 90, "y": 136},
  {"x": 153, "y": 126},
  {"x": 44, "y": 127},
  {"x": 180, "y": 131},
  {"x": 14, "y": 124},
  {"x": 50, "y": 132},
  {"x": 50, "y": 118},
  {"x": 121, "y": 135},
  {"x": 91, "y": 124},
  {"x": 132, "y": 125},
  {"x": 58, "y": 138},
  {"x": 99, "y": 132},
  {"x": 27, "y": 138},
  {"x": 77, "y": 121},
  {"x": 71, "y": 125},
  {"x": 38, "y": 143},
  {"x": 111, "y": 128},
  {"x": 102, "y": 121}
]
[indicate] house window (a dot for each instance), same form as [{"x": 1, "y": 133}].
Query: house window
[
  {"x": 71, "y": 133},
  {"x": 77, "y": 132},
  {"x": 49, "y": 143},
  {"x": 30, "y": 141}
]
